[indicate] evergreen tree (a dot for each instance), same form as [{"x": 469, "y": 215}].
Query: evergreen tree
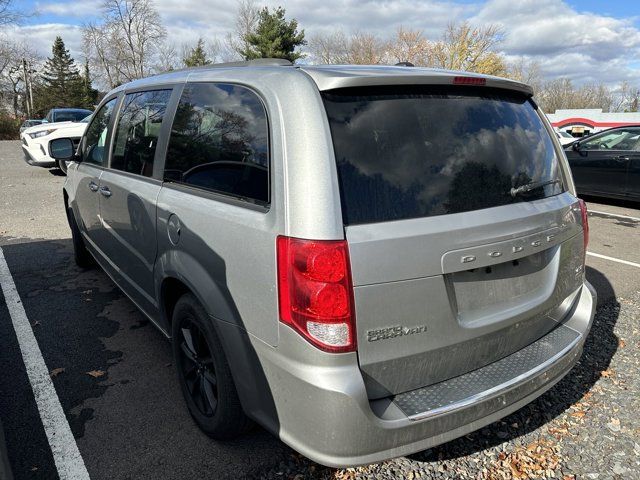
[
  {"x": 274, "y": 37},
  {"x": 61, "y": 84},
  {"x": 89, "y": 94},
  {"x": 197, "y": 56}
]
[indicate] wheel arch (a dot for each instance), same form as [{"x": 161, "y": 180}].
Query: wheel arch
[{"x": 252, "y": 386}]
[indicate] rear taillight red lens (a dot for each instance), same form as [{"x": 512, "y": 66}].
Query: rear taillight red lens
[
  {"x": 585, "y": 222},
  {"x": 315, "y": 292}
]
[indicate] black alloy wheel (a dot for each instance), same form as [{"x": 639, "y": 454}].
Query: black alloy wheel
[
  {"x": 198, "y": 369},
  {"x": 204, "y": 373}
]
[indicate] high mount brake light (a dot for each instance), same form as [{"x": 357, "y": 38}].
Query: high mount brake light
[
  {"x": 469, "y": 81},
  {"x": 315, "y": 292},
  {"x": 585, "y": 222}
]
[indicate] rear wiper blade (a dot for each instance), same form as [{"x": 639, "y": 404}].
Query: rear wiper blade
[{"x": 531, "y": 186}]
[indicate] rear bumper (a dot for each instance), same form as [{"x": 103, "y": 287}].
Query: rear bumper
[{"x": 324, "y": 412}]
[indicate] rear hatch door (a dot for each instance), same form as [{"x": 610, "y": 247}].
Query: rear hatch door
[{"x": 465, "y": 245}]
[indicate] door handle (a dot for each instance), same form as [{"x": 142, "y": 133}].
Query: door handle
[
  {"x": 621, "y": 158},
  {"x": 93, "y": 186},
  {"x": 104, "y": 190}
]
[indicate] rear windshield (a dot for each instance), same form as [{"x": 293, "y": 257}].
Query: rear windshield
[
  {"x": 407, "y": 152},
  {"x": 71, "y": 115}
]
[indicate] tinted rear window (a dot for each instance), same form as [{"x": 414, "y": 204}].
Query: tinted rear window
[
  {"x": 71, "y": 115},
  {"x": 407, "y": 152}
]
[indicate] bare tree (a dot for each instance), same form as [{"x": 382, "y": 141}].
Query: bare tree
[
  {"x": 361, "y": 48},
  {"x": 126, "y": 40},
  {"x": 331, "y": 48},
  {"x": 96, "y": 41},
  {"x": 366, "y": 49},
  {"x": 556, "y": 94},
  {"x": 167, "y": 57},
  {"x": 16, "y": 62},
  {"x": 8, "y": 15},
  {"x": 526, "y": 71},
  {"x": 625, "y": 98},
  {"x": 410, "y": 46},
  {"x": 471, "y": 49},
  {"x": 560, "y": 93},
  {"x": 246, "y": 22},
  {"x": 214, "y": 49}
]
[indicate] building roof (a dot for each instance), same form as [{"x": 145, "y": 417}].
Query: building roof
[{"x": 593, "y": 117}]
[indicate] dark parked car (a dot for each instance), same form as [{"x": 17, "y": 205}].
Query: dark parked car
[
  {"x": 607, "y": 164},
  {"x": 67, "y": 114}
]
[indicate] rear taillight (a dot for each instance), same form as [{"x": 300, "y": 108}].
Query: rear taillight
[
  {"x": 585, "y": 222},
  {"x": 315, "y": 292}
]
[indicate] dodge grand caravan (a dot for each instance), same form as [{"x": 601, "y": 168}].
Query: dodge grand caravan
[{"x": 366, "y": 261}]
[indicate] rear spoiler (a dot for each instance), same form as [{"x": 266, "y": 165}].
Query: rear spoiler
[{"x": 330, "y": 77}]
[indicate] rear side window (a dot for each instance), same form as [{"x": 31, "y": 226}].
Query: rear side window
[
  {"x": 219, "y": 142},
  {"x": 621, "y": 139},
  {"x": 138, "y": 129},
  {"x": 407, "y": 152}
]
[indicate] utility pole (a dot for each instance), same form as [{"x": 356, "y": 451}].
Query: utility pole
[
  {"x": 31, "y": 90},
  {"x": 26, "y": 85}
]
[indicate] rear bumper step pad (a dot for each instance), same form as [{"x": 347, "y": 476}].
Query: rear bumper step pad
[{"x": 490, "y": 381}]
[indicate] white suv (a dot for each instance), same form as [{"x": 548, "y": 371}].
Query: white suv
[{"x": 35, "y": 141}]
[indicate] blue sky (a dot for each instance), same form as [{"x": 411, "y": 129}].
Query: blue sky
[
  {"x": 585, "y": 40},
  {"x": 614, "y": 8}
]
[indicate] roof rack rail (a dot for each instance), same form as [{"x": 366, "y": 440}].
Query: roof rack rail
[{"x": 257, "y": 62}]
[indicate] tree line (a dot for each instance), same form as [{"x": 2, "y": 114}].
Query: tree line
[{"x": 128, "y": 40}]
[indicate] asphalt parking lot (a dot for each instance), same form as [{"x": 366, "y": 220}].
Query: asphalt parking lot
[{"x": 113, "y": 373}]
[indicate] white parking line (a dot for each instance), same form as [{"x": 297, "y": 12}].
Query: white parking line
[
  {"x": 615, "y": 215},
  {"x": 65, "y": 451},
  {"x": 626, "y": 262}
]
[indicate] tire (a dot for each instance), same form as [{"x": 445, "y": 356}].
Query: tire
[
  {"x": 62, "y": 165},
  {"x": 204, "y": 374},
  {"x": 80, "y": 253}
]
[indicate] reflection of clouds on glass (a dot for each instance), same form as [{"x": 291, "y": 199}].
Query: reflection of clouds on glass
[
  {"x": 226, "y": 113},
  {"x": 418, "y": 144}
]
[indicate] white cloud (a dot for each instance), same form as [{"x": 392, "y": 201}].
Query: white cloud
[
  {"x": 71, "y": 8},
  {"x": 584, "y": 46},
  {"x": 40, "y": 37}
]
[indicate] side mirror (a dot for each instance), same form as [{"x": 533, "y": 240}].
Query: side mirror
[
  {"x": 61, "y": 149},
  {"x": 576, "y": 146}
]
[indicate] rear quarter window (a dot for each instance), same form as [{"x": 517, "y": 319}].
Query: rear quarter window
[
  {"x": 408, "y": 152},
  {"x": 219, "y": 142}
]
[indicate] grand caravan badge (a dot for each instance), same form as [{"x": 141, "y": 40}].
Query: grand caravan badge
[{"x": 394, "y": 332}]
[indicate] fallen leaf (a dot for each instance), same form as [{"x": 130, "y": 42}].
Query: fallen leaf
[
  {"x": 578, "y": 414},
  {"x": 55, "y": 372},
  {"x": 607, "y": 373},
  {"x": 621, "y": 343},
  {"x": 96, "y": 373}
]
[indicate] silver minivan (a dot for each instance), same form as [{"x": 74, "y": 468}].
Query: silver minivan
[{"x": 365, "y": 260}]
